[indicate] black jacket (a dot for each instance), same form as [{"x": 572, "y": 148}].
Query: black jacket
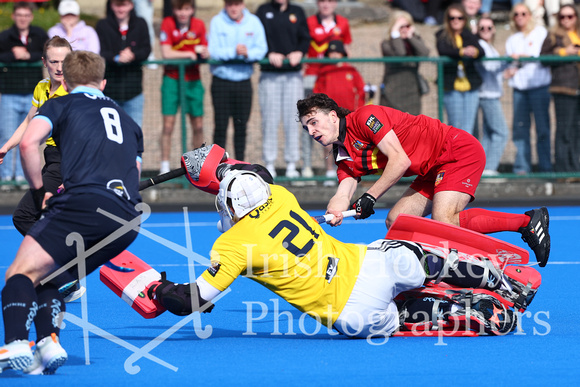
[
  {"x": 565, "y": 75},
  {"x": 285, "y": 31},
  {"x": 445, "y": 48},
  {"x": 124, "y": 81},
  {"x": 20, "y": 80}
]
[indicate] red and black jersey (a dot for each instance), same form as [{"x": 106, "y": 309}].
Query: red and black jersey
[
  {"x": 183, "y": 41},
  {"x": 343, "y": 83},
  {"x": 320, "y": 37},
  {"x": 421, "y": 137}
]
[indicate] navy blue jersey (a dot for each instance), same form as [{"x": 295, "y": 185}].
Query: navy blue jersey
[{"x": 98, "y": 141}]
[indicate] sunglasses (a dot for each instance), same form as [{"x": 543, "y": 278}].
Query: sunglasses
[
  {"x": 486, "y": 28},
  {"x": 406, "y": 26},
  {"x": 520, "y": 14},
  {"x": 451, "y": 18},
  {"x": 569, "y": 17}
]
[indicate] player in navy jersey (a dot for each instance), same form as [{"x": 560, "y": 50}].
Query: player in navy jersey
[{"x": 101, "y": 150}]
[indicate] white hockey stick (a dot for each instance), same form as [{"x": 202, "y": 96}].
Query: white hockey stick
[{"x": 328, "y": 217}]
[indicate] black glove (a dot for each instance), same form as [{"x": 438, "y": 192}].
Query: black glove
[
  {"x": 364, "y": 205},
  {"x": 176, "y": 298},
  {"x": 38, "y": 197}
]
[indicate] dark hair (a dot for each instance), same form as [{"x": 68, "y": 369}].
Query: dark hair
[
  {"x": 178, "y": 4},
  {"x": 23, "y": 4},
  {"x": 320, "y": 102}
]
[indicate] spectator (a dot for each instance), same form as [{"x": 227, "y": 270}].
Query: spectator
[
  {"x": 343, "y": 83},
  {"x": 324, "y": 26},
  {"x": 530, "y": 81},
  {"x": 21, "y": 43},
  {"x": 546, "y": 10},
  {"x": 472, "y": 8},
  {"x": 124, "y": 45},
  {"x": 144, "y": 9},
  {"x": 495, "y": 130},
  {"x": 182, "y": 37},
  {"x": 281, "y": 82},
  {"x": 434, "y": 11},
  {"x": 487, "y": 5},
  {"x": 563, "y": 40},
  {"x": 72, "y": 28},
  {"x": 401, "y": 81},
  {"x": 460, "y": 79},
  {"x": 234, "y": 34}
]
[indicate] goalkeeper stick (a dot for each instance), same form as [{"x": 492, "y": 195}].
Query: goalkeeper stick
[
  {"x": 162, "y": 178},
  {"x": 328, "y": 217}
]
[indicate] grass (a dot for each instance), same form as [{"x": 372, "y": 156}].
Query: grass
[{"x": 44, "y": 17}]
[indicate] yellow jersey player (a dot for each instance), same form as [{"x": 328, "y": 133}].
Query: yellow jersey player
[{"x": 270, "y": 239}]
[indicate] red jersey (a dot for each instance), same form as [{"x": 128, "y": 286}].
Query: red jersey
[
  {"x": 421, "y": 137},
  {"x": 343, "y": 83},
  {"x": 183, "y": 40},
  {"x": 321, "y": 37}
]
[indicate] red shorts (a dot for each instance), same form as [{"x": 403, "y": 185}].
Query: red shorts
[{"x": 458, "y": 167}]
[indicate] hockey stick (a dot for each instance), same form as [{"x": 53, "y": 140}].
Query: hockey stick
[
  {"x": 328, "y": 217},
  {"x": 161, "y": 178}
]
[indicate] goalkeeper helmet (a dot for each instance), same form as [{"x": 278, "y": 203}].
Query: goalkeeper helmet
[{"x": 240, "y": 192}]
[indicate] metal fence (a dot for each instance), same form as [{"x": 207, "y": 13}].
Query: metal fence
[{"x": 371, "y": 69}]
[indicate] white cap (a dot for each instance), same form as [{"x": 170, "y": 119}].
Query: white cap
[{"x": 69, "y": 7}]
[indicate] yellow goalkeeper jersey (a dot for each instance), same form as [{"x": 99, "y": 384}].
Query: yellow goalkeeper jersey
[
  {"x": 281, "y": 247},
  {"x": 42, "y": 94}
]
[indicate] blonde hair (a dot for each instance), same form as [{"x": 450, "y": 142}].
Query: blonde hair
[
  {"x": 83, "y": 68},
  {"x": 531, "y": 21},
  {"x": 396, "y": 16}
]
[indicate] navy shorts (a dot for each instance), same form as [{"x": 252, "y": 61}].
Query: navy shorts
[{"x": 77, "y": 213}]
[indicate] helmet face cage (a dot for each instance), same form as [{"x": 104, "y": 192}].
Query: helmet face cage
[{"x": 240, "y": 192}]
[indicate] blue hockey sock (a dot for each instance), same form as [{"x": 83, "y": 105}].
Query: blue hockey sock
[{"x": 19, "y": 307}]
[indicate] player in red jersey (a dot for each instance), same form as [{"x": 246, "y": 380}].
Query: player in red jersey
[
  {"x": 448, "y": 163},
  {"x": 182, "y": 37}
]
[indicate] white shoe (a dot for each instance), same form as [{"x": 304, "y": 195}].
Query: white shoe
[
  {"x": 307, "y": 172},
  {"x": 330, "y": 174},
  {"x": 49, "y": 355},
  {"x": 152, "y": 66},
  {"x": 164, "y": 168},
  {"x": 489, "y": 172},
  {"x": 16, "y": 355},
  {"x": 292, "y": 173},
  {"x": 272, "y": 170}
]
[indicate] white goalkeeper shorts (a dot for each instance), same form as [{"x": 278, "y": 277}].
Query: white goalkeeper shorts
[{"x": 389, "y": 268}]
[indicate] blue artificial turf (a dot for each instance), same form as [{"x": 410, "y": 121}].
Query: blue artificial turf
[{"x": 256, "y": 338}]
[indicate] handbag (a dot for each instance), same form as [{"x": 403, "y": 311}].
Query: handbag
[{"x": 424, "y": 87}]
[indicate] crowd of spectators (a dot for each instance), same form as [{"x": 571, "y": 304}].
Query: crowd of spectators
[{"x": 281, "y": 33}]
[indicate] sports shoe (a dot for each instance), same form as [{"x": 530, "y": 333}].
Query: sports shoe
[
  {"x": 483, "y": 311},
  {"x": 307, "y": 172},
  {"x": 49, "y": 355},
  {"x": 292, "y": 173},
  {"x": 72, "y": 291},
  {"x": 16, "y": 355},
  {"x": 330, "y": 174},
  {"x": 536, "y": 234},
  {"x": 272, "y": 170}
]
